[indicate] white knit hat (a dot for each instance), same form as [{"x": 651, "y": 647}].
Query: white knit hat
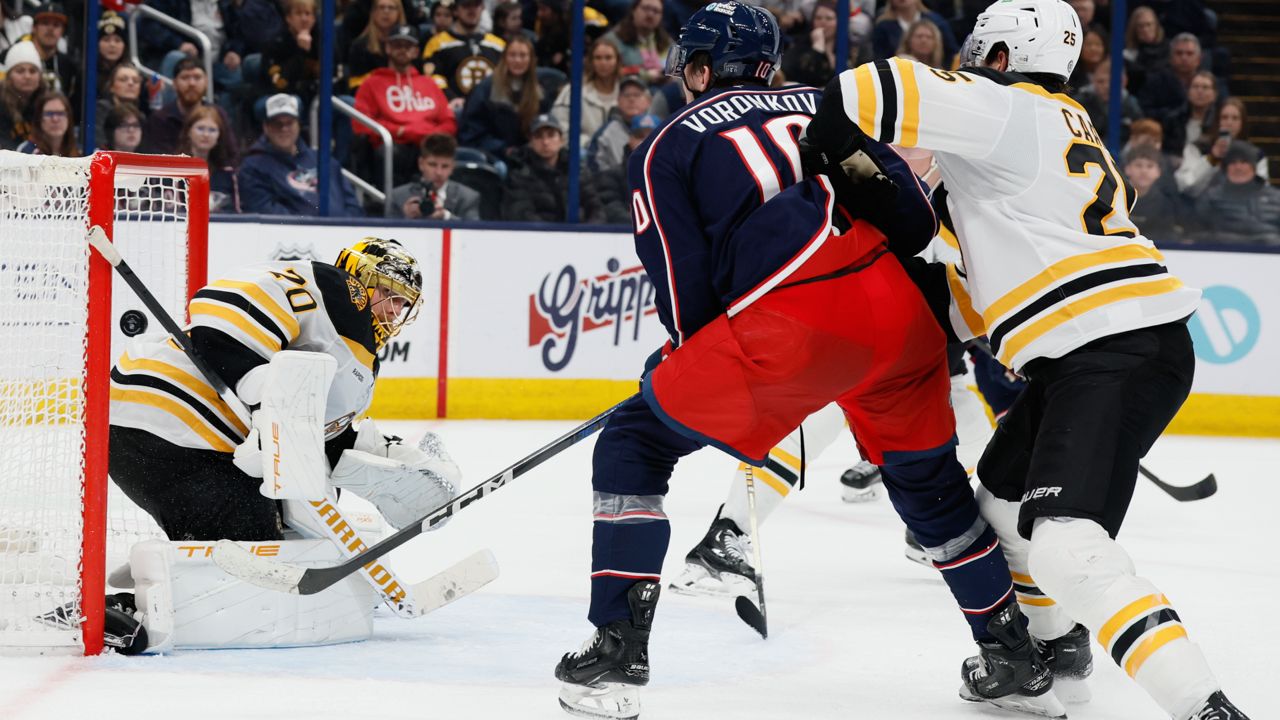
[{"x": 23, "y": 52}]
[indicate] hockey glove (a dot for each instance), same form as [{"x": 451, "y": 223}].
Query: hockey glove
[{"x": 861, "y": 186}]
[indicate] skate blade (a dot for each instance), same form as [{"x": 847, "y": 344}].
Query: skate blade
[
  {"x": 1072, "y": 691},
  {"x": 860, "y": 495},
  {"x": 1046, "y": 705},
  {"x": 609, "y": 701},
  {"x": 917, "y": 556},
  {"x": 697, "y": 581}
]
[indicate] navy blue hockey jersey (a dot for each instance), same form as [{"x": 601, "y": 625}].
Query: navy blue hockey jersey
[{"x": 696, "y": 180}]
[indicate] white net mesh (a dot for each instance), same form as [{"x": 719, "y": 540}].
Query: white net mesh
[{"x": 44, "y": 312}]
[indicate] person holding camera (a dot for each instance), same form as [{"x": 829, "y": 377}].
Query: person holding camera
[{"x": 434, "y": 196}]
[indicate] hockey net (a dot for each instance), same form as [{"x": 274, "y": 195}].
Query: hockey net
[{"x": 63, "y": 526}]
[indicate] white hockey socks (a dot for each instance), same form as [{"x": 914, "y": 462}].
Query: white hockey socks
[
  {"x": 783, "y": 468},
  {"x": 1094, "y": 580},
  {"x": 1045, "y": 618}
]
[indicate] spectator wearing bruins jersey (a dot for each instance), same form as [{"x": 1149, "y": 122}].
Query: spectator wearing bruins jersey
[
  {"x": 462, "y": 56},
  {"x": 1076, "y": 299},
  {"x": 172, "y": 437}
]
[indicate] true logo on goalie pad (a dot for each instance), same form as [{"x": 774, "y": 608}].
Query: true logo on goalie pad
[{"x": 359, "y": 295}]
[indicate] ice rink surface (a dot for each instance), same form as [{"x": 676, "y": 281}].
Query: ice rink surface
[{"x": 856, "y": 630}]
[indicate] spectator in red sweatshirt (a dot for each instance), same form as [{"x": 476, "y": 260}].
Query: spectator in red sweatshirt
[{"x": 404, "y": 101}]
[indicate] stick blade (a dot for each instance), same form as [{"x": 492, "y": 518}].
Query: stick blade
[
  {"x": 237, "y": 561},
  {"x": 463, "y": 578},
  {"x": 751, "y": 615},
  {"x": 1207, "y": 487}
]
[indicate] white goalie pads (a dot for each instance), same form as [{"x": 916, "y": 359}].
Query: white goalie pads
[
  {"x": 285, "y": 447},
  {"x": 403, "y": 482},
  {"x": 187, "y": 602}
]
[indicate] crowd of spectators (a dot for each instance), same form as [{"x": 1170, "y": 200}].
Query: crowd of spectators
[{"x": 477, "y": 91}]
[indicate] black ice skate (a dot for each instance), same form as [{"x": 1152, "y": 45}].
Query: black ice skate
[
  {"x": 1217, "y": 707},
  {"x": 1008, "y": 673},
  {"x": 121, "y": 630},
  {"x": 860, "y": 483},
  {"x": 602, "y": 679},
  {"x": 1070, "y": 659},
  {"x": 718, "y": 566},
  {"x": 914, "y": 551}
]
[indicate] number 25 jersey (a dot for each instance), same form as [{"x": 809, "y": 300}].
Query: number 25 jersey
[{"x": 1040, "y": 209}]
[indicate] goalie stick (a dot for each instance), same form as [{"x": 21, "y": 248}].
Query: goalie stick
[
  {"x": 283, "y": 577},
  {"x": 454, "y": 582}
]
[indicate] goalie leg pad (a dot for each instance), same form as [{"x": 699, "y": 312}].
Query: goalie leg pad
[{"x": 189, "y": 603}]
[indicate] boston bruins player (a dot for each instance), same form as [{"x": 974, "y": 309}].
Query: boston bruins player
[
  {"x": 1074, "y": 298},
  {"x": 173, "y": 440}
]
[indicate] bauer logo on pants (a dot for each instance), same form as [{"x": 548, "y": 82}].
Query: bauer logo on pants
[{"x": 565, "y": 306}]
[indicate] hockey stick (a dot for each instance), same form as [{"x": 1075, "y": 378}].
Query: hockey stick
[
  {"x": 1199, "y": 490},
  {"x": 283, "y": 577},
  {"x": 407, "y": 606},
  {"x": 756, "y": 617}
]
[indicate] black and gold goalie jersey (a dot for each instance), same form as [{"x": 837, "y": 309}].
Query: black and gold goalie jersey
[
  {"x": 461, "y": 62},
  {"x": 237, "y": 324}
]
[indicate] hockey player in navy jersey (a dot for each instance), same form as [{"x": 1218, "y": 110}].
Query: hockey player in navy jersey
[
  {"x": 781, "y": 293},
  {"x": 1074, "y": 298}
]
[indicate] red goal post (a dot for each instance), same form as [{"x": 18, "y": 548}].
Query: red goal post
[{"x": 61, "y": 329}]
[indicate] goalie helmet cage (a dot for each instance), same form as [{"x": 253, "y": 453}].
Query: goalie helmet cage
[{"x": 60, "y": 331}]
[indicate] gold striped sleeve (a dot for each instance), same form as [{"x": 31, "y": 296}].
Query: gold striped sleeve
[
  {"x": 1062, "y": 269},
  {"x": 866, "y": 97},
  {"x": 1029, "y": 333},
  {"x": 909, "y": 120},
  {"x": 176, "y": 409},
  {"x": 197, "y": 386},
  {"x": 288, "y": 323},
  {"x": 238, "y": 319},
  {"x": 960, "y": 295}
]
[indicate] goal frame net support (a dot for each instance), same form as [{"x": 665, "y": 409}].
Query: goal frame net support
[{"x": 110, "y": 173}]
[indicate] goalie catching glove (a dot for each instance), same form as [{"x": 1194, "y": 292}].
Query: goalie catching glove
[{"x": 403, "y": 482}]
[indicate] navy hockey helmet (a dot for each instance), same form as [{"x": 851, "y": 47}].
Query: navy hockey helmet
[{"x": 743, "y": 42}]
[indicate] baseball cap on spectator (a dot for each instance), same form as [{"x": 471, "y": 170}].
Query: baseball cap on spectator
[
  {"x": 1240, "y": 151},
  {"x": 545, "y": 120},
  {"x": 633, "y": 80},
  {"x": 20, "y": 53},
  {"x": 282, "y": 104},
  {"x": 111, "y": 23},
  {"x": 403, "y": 33},
  {"x": 644, "y": 123},
  {"x": 53, "y": 13}
]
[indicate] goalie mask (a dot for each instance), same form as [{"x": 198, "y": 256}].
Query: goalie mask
[{"x": 392, "y": 280}]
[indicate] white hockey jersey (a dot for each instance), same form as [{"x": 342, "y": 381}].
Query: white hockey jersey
[
  {"x": 257, "y": 312},
  {"x": 1040, "y": 209}
]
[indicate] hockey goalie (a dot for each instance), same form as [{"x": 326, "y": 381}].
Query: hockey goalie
[{"x": 297, "y": 344}]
